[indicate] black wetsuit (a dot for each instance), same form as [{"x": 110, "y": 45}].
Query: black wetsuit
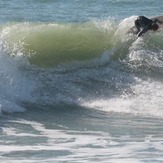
[{"x": 142, "y": 24}]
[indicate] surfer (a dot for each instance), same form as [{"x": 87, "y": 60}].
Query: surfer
[{"x": 143, "y": 24}]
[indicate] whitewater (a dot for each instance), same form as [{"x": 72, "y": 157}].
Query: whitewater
[{"x": 75, "y": 87}]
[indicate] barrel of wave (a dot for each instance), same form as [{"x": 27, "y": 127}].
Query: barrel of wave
[{"x": 53, "y": 44}]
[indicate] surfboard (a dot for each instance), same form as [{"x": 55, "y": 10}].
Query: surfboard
[
  {"x": 160, "y": 18},
  {"x": 133, "y": 29}
]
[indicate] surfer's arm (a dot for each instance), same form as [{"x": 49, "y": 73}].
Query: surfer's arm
[
  {"x": 161, "y": 22},
  {"x": 157, "y": 20}
]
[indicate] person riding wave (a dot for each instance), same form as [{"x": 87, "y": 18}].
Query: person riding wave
[{"x": 143, "y": 24}]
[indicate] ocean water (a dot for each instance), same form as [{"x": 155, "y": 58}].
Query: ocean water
[{"x": 74, "y": 87}]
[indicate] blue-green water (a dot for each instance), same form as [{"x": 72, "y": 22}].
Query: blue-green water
[
  {"x": 74, "y": 87},
  {"x": 76, "y": 10}
]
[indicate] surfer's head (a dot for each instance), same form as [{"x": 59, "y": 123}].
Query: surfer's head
[{"x": 154, "y": 27}]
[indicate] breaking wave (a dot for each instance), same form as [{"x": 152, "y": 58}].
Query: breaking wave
[{"x": 93, "y": 64}]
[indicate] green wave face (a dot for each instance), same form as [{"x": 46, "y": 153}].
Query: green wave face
[{"x": 52, "y": 44}]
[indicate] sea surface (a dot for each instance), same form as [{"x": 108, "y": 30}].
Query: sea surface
[{"x": 74, "y": 87}]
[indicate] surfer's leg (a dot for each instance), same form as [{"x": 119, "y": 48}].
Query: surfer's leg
[
  {"x": 137, "y": 25},
  {"x": 144, "y": 30}
]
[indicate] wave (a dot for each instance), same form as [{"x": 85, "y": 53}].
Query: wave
[
  {"x": 125, "y": 68},
  {"x": 52, "y": 43}
]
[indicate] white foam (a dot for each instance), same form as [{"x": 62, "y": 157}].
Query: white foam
[
  {"x": 14, "y": 85},
  {"x": 146, "y": 100},
  {"x": 124, "y": 26},
  {"x": 82, "y": 146}
]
